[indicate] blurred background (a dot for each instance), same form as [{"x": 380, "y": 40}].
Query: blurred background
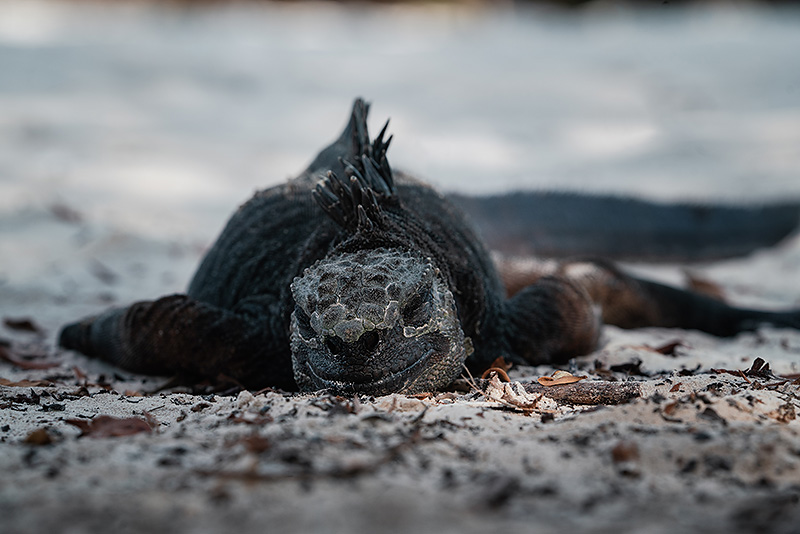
[{"x": 156, "y": 119}]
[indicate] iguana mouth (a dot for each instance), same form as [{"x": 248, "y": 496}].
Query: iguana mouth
[{"x": 394, "y": 383}]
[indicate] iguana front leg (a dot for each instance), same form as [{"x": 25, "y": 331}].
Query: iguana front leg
[{"x": 177, "y": 334}]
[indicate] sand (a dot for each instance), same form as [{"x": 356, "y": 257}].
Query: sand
[
  {"x": 705, "y": 445},
  {"x": 699, "y": 450}
]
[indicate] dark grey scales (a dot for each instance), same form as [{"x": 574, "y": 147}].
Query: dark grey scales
[{"x": 360, "y": 279}]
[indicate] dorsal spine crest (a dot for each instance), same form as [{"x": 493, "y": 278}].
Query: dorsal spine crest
[{"x": 354, "y": 200}]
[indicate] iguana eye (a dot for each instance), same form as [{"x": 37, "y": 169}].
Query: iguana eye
[{"x": 417, "y": 311}]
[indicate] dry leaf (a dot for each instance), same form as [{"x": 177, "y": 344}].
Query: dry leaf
[
  {"x": 705, "y": 286},
  {"x": 105, "y": 426},
  {"x": 500, "y": 363},
  {"x": 255, "y": 443},
  {"x": 559, "y": 378},
  {"x": 709, "y": 414},
  {"x": 499, "y": 366},
  {"x": 79, "y": 374},
  {"x": 25, "y": 383},
  {"x": 23, "y": 324},
  {"x": 760, "y": 369},
  {"x": 630, "y": 368},
  {"x": 40, "y": 436},
  {"x": 670, "y": 408},
  {"x": 513, "y": 394},
  {"x": 495, "y": 371},
  {"x": 668, "y": 349},
  {"x": 676, "y": 387},
  {"x": 625, "y": 451},
  {"x": 784, "y": 414},
  {"x": 10, "y": 357},
  {"x": 625, "y": 456},
  {"x": 260, "y": 419}
]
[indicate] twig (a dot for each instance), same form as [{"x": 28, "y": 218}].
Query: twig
[
  {"x": 741, "y": 373},
  {"x": 586, "y": 393}
]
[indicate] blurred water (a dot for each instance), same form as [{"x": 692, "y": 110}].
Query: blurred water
[{"x": 159, "y": 121}]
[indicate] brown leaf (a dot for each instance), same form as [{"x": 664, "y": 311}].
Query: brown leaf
[
  {"x": 500, "y": 363},
  {"x": 625, "y": 451},
  {"x": 25, "y": 383},
  {"x": 256, "y": 444},
  {"x": 22, "y": 324},
  {"x": 669, "y": 348},
  {"x": 784, "y": 414},
  {"x": 630, "y": 368},
  {"x": 760, "y": 369},
  {"x": 106, "y": 426},
  {"x": 559, "y": 378},
  {"x": 82, "y": 425},
  {"x": 199, "y": 407},
  {"x": 7, "y": 355},
  {"x": 496, "y": 371},
  {"x": 514, "y": 395},
  {"x": 676, "y": 387},
  {"x": 40, "y": 436},
  {"x": 670, "y": 408},
  {"x": 709, "y": 414},
  {"x": 705, "y": 286},
  {"x": 260, "y": 419},
  {"x": 499, "y": 366},
  {"x": 79, "y": 374},
  {"x": 337, "y": 405}
]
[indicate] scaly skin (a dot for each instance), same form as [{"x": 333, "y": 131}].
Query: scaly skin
[{"x": 358, "y": 279}]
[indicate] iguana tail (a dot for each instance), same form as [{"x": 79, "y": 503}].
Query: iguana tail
[{"x": 551, "y": 224}]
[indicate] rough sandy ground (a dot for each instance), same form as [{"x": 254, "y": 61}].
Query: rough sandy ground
[{"x": 699, "y": 450}]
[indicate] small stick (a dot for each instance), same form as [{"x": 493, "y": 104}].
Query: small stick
[{"x": 586, "y": 393}]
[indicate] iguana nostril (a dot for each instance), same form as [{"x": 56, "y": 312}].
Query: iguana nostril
[
  {"x": 365, "y": 344},
  {"x": 334, "y": 344},
  {"x": 369, "y": 341}
]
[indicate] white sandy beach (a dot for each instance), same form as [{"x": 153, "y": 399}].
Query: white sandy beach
[{"x": 129, "y": 134}]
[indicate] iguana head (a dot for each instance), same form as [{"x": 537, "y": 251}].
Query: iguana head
[{"x": 375, "y": 321}]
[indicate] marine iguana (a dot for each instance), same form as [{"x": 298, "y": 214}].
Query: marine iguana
[{"x": 361, "y": 279}]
